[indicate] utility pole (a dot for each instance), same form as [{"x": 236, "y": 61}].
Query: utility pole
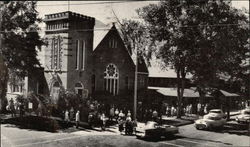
[
  {"x": 1, "y": 58},
  {"x": 68, "y": 5},
  {"x": 135, "y": 84},
  {"x": 1, "y": 19}
]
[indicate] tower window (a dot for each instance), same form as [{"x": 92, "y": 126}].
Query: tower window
[
  {"x": 112, "y": 43},
  {"x": 77, "y": 57},
  {"x": 56, "y": 53},
  {"x": 83, "y": 55}
]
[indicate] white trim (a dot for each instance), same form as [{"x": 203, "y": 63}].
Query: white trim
[{"x": 143, "y": 73}]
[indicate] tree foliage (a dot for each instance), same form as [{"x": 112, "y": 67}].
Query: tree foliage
[
  {"x": 207, "y": 38},
  {"x": 19, "y": 39},
  {"x": 136, "y": 36},
  {"x": 20, "y": 35}
]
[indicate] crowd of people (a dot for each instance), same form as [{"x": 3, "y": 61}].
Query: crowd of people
[
  {"x": 15, "y": 107},
  {"x": 99, "y": 114}
]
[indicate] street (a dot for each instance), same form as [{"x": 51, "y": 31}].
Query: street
[{"x": 71, "y": 137}]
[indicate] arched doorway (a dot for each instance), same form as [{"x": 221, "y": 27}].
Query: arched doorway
[
  {"x": 55, "y": 92},
  {"x": 79, "y": 89}
]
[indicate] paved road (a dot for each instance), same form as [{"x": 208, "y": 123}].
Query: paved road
[{"x": 189, "y": 136}]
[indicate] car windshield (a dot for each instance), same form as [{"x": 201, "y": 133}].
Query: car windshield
[
  {"x": 151, "y": 125},
  {"x": 212, "y": 117},
  {"x": 214, "y": 111}
]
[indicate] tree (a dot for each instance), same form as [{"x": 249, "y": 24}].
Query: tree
[
  {"x": 206, "y": 38},
  {"x": 136, "y": 36},
  {"x": 137, "y": 41},
  {"x": 19, "y": 39}
]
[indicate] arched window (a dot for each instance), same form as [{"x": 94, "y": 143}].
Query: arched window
[
  {"x": 79, "y": 89},
  {"x": 111, "y": 79}
]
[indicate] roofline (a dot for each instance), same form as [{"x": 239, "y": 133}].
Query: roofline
[{"x": 146, "y": 73}]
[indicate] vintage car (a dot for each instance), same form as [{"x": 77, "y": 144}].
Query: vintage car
[
  {"x": 214, "y": 119},
  {"x": 154, "y": 130},
  {"x": 244, "y": 117}
]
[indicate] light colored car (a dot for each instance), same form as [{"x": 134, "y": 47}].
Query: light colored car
[
  {"x": 244, "y": 116},
  {"x": 218, "y": 112},
  {"x": 154, "y": 130},
  {"x": 214, "y": 119}
]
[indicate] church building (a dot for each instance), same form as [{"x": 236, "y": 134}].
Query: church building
[{"x": 85, "y": 56}]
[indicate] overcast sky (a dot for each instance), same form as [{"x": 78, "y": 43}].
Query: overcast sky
[{"x": 102, "y": 10}]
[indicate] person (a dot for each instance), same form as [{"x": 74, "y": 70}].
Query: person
[
  {"x": 103, "y": 119},
  {"x": 199, "y": 108},
  {"x": 77, "y": 118},
  {"x": 191, "y": 109},
  {"x": 90, "y": 119},
  {"x": 66, "y": 116},
  {"x": 129, "y": 113},
  {"x": 12, "y": 108},
  {"x": 168, "y": 111},
  {"x": 206, "y": 109},
  {"x": 150, "y": 114},
  {"x": 120, "y": 124},
  {"x": 121, "y": 115},
  {"x": 71, "y": 114},
  {"x": 172, "y": 111},
  {"x": 155, "y": 115},
  {"x": 145, "y": 115},
  {"x": 116, "y": 114},
  {"x": 21, "y": 109},
  {"x": 187, "y": 110},
  {"x": 128, "y": 126},
  {"x": 111, "y": 113}
]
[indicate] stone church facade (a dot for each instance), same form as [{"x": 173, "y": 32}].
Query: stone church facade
[{"x": 75, "y": 61}]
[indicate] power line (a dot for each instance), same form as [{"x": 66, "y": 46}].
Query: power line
[
  {"x": 90, "y": 3},
  {"x": 103, "y": 29}
]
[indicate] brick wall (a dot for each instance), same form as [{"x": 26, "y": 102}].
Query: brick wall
[{"x": 104, "y": 55}]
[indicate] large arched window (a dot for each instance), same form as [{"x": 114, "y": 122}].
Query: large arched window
[{"x": 111, "y": 79}]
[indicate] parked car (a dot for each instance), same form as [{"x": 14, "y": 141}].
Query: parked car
[
  {"x": 154, "y": 130},
  {"x": 214, "y": 119},
  {"x": 244, "y": 117},
  {"x": 218, "y": 112}
]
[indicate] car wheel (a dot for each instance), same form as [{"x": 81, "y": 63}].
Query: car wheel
[{"x": 199, "y": 127}]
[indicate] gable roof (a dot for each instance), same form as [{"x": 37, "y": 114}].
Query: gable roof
[{"x": 101, "y": 30}]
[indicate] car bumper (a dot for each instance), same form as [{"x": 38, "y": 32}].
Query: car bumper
[{"x": 243, "y": 120}]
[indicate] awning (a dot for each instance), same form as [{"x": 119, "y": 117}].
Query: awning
[
  {"x": 188, "y": 93},
  {"x": 227, "y": 94}
]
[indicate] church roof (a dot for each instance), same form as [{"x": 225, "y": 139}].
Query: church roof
[{"x": 101, "y": 30}]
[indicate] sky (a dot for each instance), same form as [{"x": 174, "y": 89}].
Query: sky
[{"x": 104, "y": 11}]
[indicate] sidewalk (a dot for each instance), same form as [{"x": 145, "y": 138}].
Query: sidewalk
[{"x": 184, "y": 120}]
